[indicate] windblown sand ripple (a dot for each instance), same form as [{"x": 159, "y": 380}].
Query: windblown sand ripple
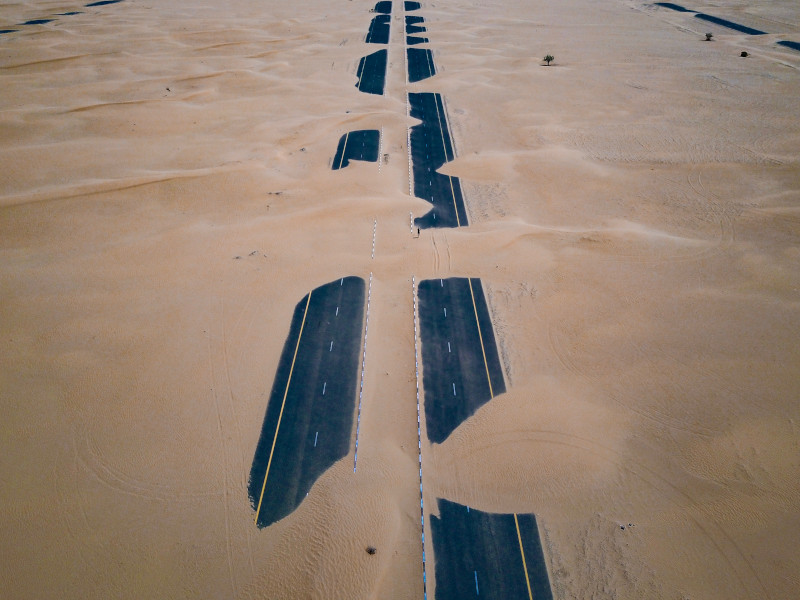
[{"x": 634, "y": 217}]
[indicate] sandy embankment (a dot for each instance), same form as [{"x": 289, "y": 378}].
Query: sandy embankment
[{"x": 635, "y": 212}]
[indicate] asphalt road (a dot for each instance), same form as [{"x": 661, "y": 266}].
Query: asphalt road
[
  {"x": 412, "y": 25},
  {"x": 460, "y": 364},
  {"x": 357, "y": 145},
  {"x": 420, "y": 64},
  {"x": 379, "y": 30},
  {"x": 487, "y": 555},
  {"x": 431, "y": 147},
  {"x": 712, "y": 19},
  {"x": 372, "y": 72},
  {"x": 730, "y": 24},
  {"x": 308, "y": 425}
]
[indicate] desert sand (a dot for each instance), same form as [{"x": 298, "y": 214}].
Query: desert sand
[{"x": 166, "y": 199}]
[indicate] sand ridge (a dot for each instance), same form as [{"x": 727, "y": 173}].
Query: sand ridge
[{"x": 633, "y": 217}]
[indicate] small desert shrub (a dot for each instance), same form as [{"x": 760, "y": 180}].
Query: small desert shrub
[{"x": 548, "y": 59}]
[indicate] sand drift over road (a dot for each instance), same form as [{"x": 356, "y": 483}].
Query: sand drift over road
[
  {"x": 309, "y": 420},
  {"x": 432, "y": 147},
  {"x": 459, "y": 354}
]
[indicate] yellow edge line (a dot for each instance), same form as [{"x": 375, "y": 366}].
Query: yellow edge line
[
  {"x": 522, "y": 552},
  {"x": 453, "y": 194},
  {"x": 280, "y": 415},
  {"x": 480, "y": 336},
  {"x": 344, "y": 149},
  {"x": 363, "y": 68},
  {"x": 444, "y": 147},
  {"x": 430, "y": 67}
]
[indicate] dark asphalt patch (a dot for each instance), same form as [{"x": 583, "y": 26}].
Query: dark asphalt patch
[
  {"x": 2, "y": 31},
  {"x": 309, "y": 418},
  {"x": 409, "y": 6},
  {"x": 103, "y": 2},
  {"x": 420, "y": 64},
  {"x": 456, "y": 334},
  {"x": 431, "y": 147},
  {"x": 672, "y": 6},
  {"x": 412, "y": 40},
  {"x": 789, "y": 44},
  {"x": 384, "y": 6},
  {"x": 412, "y": 25},
  {"x": 730, "y": 24},
  {"x": 372, "y": 73},
  {"x": 712, "y": 19},
  {"x": 379, "y": 30},
  {"x": 38, "y": 21},
  {"x": 480, "y": 555},
  {"x": 357, "y": 145}
]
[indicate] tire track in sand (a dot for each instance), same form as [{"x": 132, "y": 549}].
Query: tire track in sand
[{"x": 678, "y": 497}]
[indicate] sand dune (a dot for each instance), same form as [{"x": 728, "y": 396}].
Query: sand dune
[{"x": 166, "y": 198}]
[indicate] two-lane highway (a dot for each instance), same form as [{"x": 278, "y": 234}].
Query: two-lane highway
[
  {"x": 461, "y": 366},
  {"x": 309, "y": 420},
  {"x": 431, "y": 147},
  {"x": 487, "y": 555},
  {"x": 356, "y": 145}
]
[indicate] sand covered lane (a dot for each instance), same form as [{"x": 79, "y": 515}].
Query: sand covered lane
[
  {"x": 372, "y": 73},
  {"x": 313, "y": 393},
  {"x": 487, "y": 555},
  {"x": 432, "y": 147},
  {"x": 420, "y": 62},
  {"x": 459, "y": 355},
  {"x": 356, "y": 145},
  {"x": 379, "y": 30},
  {"x": 633, "y": 220}
]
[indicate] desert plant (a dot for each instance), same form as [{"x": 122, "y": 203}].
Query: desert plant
[
  {"x": 548, "y": 59},
  {"x": 709, "y": 36}
]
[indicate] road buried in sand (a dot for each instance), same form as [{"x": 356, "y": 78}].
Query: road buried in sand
[
  {"x": 487, "y": 555},
  {"x": 431, "y": 147},
  {"x": 356, "y": 145},
  {"x": 372, "y": 73},
  {"x": 461, "y": 367},
  {"x": 309, "y": 419}
]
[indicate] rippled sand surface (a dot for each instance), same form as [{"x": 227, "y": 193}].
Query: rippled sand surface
[{"x": 166, "y": 199}]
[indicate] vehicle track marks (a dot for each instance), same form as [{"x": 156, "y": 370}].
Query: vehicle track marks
[
  {"x": 567, "y": 361},
  {"x": 716, "y": 535},
  {"x": 225, "y": 458}
]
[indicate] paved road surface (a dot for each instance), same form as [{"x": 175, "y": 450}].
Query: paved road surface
[
  {"x": 372, "y": 73},
  {"x": 420, "y": 64},
  {"x": 431, "y": 147},
  {"x": 379, "y": 30},
  {"x": 385, "y": 6},
  {"x": 356, "y": 145},
  {"x": 460, "y": 365},
  {"x": 309, "y": 420},
  {"x": 487, "y": 556},
  {"x": 413, "y": 25}
]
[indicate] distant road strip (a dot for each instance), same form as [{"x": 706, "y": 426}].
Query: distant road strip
[{"x": 280, "y": 416}]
